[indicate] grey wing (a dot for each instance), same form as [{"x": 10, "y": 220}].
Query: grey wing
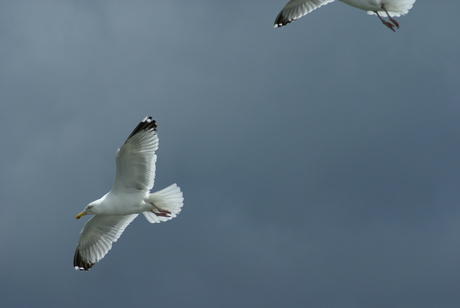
[
  {"x": 136, "y": 159},
  {"x": 295, "y": 9},
  {"x": 96, "y": 238}
]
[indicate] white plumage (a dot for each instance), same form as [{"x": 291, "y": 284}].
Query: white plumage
[
  {"x": 295, "y": 9},
  {"x": 129, "y": 196}
]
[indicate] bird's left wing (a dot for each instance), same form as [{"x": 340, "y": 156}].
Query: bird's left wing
[
  {"x": 96, "y": 238},
  {"x": 295, "y": 9},
  {"x": 136, "y": 159}
]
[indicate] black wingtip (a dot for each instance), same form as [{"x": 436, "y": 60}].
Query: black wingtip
[
  {"x": 79, "y": 263},
  {"x": 281, "y": 20},
  {"x": 148, "y": 123}
]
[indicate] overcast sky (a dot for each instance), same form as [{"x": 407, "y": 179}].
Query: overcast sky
[{"x": 319, "y": 161}]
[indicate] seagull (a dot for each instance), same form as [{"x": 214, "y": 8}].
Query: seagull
[
  {"x": 129, "y": 196},
  {"x": 295, "y": 9}
]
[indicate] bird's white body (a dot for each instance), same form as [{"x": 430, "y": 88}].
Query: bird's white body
[
  {"x": 120, "y": 204},
  {"x": 129, "y": 196},
  {"x": 395, "y": 8},
  {"x": 367, "y": 5},
  {"x": 295, "y": 9},
  {"x": 114, "y": 203}
]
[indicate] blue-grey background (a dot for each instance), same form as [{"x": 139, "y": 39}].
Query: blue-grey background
[{"x": 319, "y": 161}]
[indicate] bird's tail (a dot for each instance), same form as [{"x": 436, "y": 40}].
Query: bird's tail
[{"x": 167, "y": 204}]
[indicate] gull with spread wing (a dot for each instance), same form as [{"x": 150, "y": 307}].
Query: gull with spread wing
[
  {"x": 129, "y": 196},
  {"x": 295, "y": 9}
]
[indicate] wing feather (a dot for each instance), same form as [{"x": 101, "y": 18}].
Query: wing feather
[
  {"x": 295, "y": 9},
  {"x": 136, "y": 159},
  {"x": 96, "y": 238}
]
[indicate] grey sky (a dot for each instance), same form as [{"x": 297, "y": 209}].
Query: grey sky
[{"x": 319, "y": 161}]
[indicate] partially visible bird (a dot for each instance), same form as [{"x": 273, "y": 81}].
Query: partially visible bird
[
  {"x": 129, "y": 196},
  {"x": 295, "y": 9}
]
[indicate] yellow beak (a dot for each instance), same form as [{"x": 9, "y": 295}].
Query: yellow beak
[{"x": 80, "y": 215}]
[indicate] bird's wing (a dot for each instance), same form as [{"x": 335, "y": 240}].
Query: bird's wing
[
  {"x": 295, "y": 9},
  {"x": 96, "y": 238},
  {"x": 136, "y": 159}
]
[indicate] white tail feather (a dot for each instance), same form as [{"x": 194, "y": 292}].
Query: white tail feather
[{"x": 169, "y": 199}]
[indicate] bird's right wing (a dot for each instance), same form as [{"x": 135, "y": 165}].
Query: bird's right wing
[
  {"x": 136, "y": 159},
  {"x": 295, "y": 9},
  {"x": 96, "y": 238}
]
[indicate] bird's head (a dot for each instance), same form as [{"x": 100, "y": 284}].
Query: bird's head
[{"x": 88, "y": 210}]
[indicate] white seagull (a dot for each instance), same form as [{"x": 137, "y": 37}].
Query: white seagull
[
  {"x": 295, "y": 9},
  {"x": 129, "y": 196}
]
